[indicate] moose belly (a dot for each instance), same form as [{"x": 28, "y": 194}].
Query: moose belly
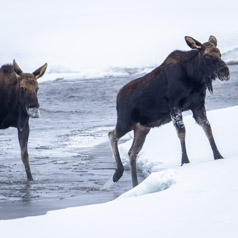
[
  {"x": 192, "y": 101},
  {"x": 152, "y": 118},
  {"x": 4, "y": 124}
]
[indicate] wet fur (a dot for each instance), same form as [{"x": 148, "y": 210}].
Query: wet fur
[
  {"x": 178, "y": 84},
  {"x": 9, "y": 110},
  {"x": 147, "y": 99},
  {"x": 18, "y": 91}
]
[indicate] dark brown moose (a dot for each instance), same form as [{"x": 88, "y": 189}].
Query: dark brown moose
[
  {"x": 178, "y": 84},
  {"x": 18, "y": 102}
]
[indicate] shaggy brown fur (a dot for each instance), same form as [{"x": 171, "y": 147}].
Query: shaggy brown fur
[
  {"x": 18, "y": 98},
  {"x": 177, "y": 85}
]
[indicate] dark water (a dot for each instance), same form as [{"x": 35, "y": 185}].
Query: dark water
[{"x": 68, "y": 171}]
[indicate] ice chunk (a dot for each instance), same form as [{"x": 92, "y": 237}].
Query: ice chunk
[
  {"x": 108, "y": 185},
  {"x": 154, "y": 183}
]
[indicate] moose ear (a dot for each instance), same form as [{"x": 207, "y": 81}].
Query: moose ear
[
  {"x": 16, "y": 68},
  {"x": 39, "y": 72},
  {"x": 213, "y": 40},
  {"x": 192, "y": 43}
]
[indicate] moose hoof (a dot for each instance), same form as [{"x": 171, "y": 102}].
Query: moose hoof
[
  {"x": 29, "y": 177},
  {"x": 185, "y": 162},
  {"x": 218, "y": 157},
  {"x": 117, "y": 175}
]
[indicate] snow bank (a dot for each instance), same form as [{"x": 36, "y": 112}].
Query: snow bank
[
  {"x": 64, "y": 73},
  {"x": 156, "y": 182},
  {"x": 196, "y": 200},
  {"x": 231, "y": 56},
  {"x": 162, "y": 147}
]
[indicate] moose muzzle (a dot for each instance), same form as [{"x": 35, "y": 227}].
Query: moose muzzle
[
  {"x": 224, "y": 74},
  {"x": 33, "y": 112}
]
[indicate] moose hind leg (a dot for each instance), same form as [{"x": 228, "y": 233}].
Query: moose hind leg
[
  {"x": 199, "y": 115},
  {"x": 129, "y": 152},
  {"x": 23, "y": 140},
  {"x": 140, "y": 134},
  {"x": 177, "y": 118},
  {"x": 114, "y": 137}
]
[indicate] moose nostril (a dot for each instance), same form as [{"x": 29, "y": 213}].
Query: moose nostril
[
  {"x": 226, "y": 71},
  {"x": 31, "y": 105},
  {"x": 23, "y": 89},
  {"x": 224, "y": 74}
]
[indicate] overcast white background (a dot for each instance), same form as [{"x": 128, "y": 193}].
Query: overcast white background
[{"x": 100, "y": 33}]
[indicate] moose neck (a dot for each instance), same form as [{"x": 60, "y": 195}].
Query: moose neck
[
  {"x": 197, "y": 74},
  {"x": 23, "y": 117}
]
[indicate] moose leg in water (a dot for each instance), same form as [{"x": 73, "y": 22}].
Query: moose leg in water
[
  {"x": 176, "y": 116},
  {"x": 199, "y": 115},
  {"x": 23, "y": 135}
]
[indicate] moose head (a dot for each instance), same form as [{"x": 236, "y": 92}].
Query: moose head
[
  {"x": 28, "y": 87},
  {"x": 210, "y": 58}
]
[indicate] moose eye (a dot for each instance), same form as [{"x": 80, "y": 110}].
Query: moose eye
[
  {"x": 207, "y": 57},
  {"x": 23, "y": 89},
  {"x": 214, "y": 60}
]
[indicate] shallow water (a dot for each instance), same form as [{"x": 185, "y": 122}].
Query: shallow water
[{"x": 70, "y": 156}]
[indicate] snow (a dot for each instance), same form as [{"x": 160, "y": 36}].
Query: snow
[
  {"x": 165, "y": 152},
  {"x": 57, "y": 73},
  {"x": 196, "y": 200},
  {"x": 85, "y": 39}
]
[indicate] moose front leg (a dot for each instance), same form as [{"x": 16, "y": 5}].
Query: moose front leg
[
  {"x": 177, "y": 118},
  {"x": 23, "y": 135},
  {"x": 199, "y": 115}
]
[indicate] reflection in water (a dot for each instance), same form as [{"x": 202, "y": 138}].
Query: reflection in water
[{"x": 26, "y": 197}]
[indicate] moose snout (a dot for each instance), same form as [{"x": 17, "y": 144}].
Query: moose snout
[
  {"x": 32, "y": 107},
  {"x": 33, "y": 112},
  {"x": 224, "y": 74}
]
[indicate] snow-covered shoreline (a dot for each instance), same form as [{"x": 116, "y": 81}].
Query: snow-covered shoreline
[
  {"x": 94, "y": 73},
  {"x": 196, "y": 200}
]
